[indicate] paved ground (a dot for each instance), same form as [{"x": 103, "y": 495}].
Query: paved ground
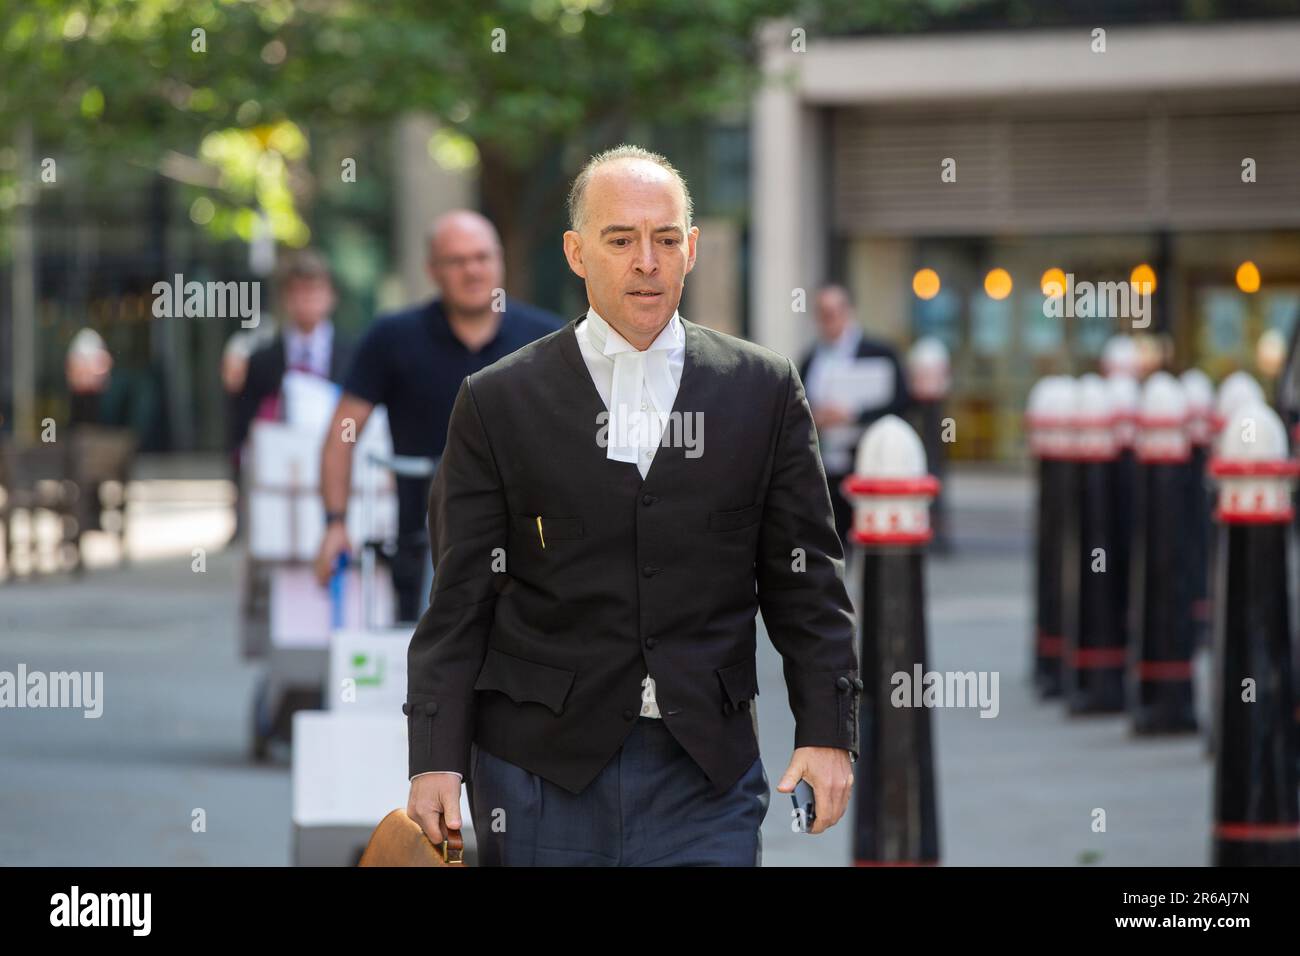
[{"x": 124, "y": 789}]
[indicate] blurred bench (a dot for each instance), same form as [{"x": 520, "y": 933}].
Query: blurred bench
[{"x": 80, "y": 479}]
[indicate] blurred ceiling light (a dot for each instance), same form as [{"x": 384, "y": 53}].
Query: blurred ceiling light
[
  {"x": 1053, "y": 282},
  {"x": 1248, "y": 278},
  {"x": 998, "y": 283},
  {"x": 1143, "y": 278},
  {"x": 925, "y": 283}
]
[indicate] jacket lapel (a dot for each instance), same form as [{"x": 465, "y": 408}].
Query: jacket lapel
[{"x": 589, "y": 401}]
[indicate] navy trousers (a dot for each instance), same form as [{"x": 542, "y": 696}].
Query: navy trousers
[{"x": 650, "y": 806}]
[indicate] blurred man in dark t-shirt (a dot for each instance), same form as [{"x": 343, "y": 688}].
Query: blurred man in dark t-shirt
[{"x": 412, "y": 363}]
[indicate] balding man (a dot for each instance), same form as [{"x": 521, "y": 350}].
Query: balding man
[
  {"x": 413, "y": 363},
  {"x": 616, "y": 502}
]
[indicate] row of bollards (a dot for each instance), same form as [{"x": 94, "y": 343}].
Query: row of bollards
[{"x": 1161, "y": 539}]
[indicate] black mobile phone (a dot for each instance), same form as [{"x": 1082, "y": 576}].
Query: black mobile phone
[{"x": 805, "y": 806}]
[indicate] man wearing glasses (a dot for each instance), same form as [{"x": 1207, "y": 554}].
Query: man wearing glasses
[{"x": 413, "y": 362}]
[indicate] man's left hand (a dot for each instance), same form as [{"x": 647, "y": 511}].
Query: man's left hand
[{"x": 829, "y": 772}]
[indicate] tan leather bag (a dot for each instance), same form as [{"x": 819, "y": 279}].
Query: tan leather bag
[{"x": 399, "y": 841}]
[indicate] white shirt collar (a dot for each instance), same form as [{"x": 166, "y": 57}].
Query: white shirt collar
[
  {"x": 608, "y": 341},
  {"x": 317, "y": 343}
]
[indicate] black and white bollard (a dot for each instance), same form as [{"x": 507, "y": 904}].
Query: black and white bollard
[
  {"x": 1235, "y": 390},
  {"x": 1121, "y": 356},
  {"x": 1199, "y": 392},
  {"x": 1256, "y": 816},
  {"x": 1095, "y": 652},
  {"x": 1047, "y": 422},
  {"x": 1125, "y": 398},
  {"x": 929, "y": 375},
  {"x": 1160, "y": 699},
  {"x": 896, "y": 814}
]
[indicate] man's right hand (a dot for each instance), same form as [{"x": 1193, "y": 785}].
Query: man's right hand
[
  {"x": 435, "y": 800},
  {"x": 332, "y": 545}
]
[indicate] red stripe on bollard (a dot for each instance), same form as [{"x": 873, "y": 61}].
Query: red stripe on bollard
[
  {"x": 1254, "y": 517},
  {"x": 1164, "y": 670},
  {"x": 857, "y": 485},
  {"x": 1090, "y": 657},
  {"x": 1051, "y": 645},
  {"x": 1266, "y": 832},
  {"x": 891, "y": 537}
]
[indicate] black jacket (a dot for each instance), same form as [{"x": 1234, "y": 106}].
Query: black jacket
[
  {"x": 537, "y": 653},
  {"x": 266, "y": 369}
]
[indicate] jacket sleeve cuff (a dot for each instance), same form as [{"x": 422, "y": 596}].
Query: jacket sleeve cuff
[
  {"x": 826, "y": 709},
  {"x": 438, "y": 736}
]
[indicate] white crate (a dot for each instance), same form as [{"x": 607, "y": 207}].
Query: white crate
[
  {"x": 349, "y": 769},
  {"x": 302, "y": 610},
  {"x": 374, "y": 661},
  {"x": 286, "y": 518}
]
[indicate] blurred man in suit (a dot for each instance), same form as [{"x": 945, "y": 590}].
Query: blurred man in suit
[
  {"x": 308, "y": 341},
  {"x": 587, "y": 662},
  {"x": 841, "y": 344}
]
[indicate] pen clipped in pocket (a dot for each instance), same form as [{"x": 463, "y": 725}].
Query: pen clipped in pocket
[{"x": 545, "y": 530}]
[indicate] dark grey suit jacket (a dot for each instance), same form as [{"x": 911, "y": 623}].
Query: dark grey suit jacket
[{"x": 537, "y": 652}]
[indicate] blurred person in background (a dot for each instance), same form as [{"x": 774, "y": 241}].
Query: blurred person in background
[
  {"x": 307, "y": 341},
  {"x": 234, "y": 373},
  {"x": 842, "y": 344},
  {"x": 253, "y": 368},
  {"x": 413, "y": 362},
  {"x": 87, "y": 368}
]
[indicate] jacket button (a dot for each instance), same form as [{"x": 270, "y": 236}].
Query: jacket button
[
  {"x": 431, "y": 708},
  {"x": 857, "y": 682},
  {"x": 727, "y": 707},
  {"x": 844, "y": 683},
  {"x": 629, "y": 714},
  {"x": 648, "y": 500},
  {"x": 649, "y": 570},
  {"x": 651, "y": 641}
]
